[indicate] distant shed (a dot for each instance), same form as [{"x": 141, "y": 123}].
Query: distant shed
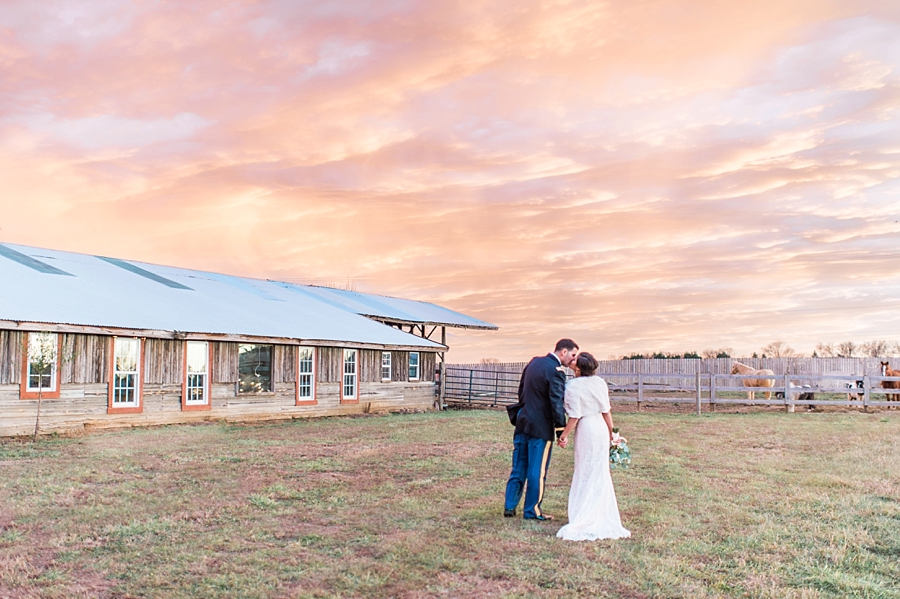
[{"x": 106, "y": 342}]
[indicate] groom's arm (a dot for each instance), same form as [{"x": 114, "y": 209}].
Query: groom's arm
[
  {"x": 522, "y": 382},
  {"x": 557, "y": 405}
]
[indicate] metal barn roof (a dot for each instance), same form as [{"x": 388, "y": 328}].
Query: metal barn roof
[
  {"x": 395, "y": 309},
  {"x": 48, "y": 286}
]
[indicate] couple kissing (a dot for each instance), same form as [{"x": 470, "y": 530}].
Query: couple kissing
[{"x": 540, "y": 416}]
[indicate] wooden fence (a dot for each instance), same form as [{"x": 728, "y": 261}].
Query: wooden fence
[
  {"x": 822, "y": 366},
  {"x": 803, "y": 381}
]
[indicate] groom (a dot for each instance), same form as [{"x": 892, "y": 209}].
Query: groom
[{"x": 541, "y": 417}]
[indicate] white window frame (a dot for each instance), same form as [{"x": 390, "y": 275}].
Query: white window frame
[
  {"x": 52, "y": 341},
  {"x": 414, "y": 374},
  {"x": 116, "y": 373},
  {"x": 350, "y": 378},
  {"x": 204, "y": 385},
  {"x": 386, "y": 369},
  {"x": 306, "y": 380}
]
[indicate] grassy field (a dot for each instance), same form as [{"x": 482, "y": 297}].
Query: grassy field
[{"x": 723, "y": 505}]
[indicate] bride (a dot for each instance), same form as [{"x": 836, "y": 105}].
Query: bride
[{"x": 593, "y": 511}]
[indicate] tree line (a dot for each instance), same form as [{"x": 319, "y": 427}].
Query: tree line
[{"x": 878, "y": 348}]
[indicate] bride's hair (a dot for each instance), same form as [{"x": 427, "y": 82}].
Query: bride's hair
[{"x": 587, "y": 364}]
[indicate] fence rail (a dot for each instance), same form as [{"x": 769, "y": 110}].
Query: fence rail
[{"x": 496, "y": 387}]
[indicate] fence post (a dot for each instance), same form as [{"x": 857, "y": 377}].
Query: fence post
[
  {"x": 640, "y": 390},
  {"x": 788, "y": 400},
  {"x": 866, "y": 385},
  {"x": 698, "y": 391},
  {"x": 471, "y": 374},
  {"x": 712, "y": 392},
  {"x": 443, "y": 388},
  {"x": 496, "y": 386}
]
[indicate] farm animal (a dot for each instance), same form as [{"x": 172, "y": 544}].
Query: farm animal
[
  {"x": 887, "y": 371},
  {"x": 855, "y": 395},
  {"x": 805, "y": 394},
  {"x": 738, "y": 368}
]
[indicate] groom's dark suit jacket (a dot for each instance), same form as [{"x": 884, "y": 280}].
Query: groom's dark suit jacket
[{"x": 541, "y": 391}]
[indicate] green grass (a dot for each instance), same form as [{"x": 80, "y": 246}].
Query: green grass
[{"x": 723, "y": 505}]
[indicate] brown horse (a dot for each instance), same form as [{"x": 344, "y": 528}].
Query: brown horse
[
  {"x": 887, "y": 371},
  {"x": 738, "y": 368}
]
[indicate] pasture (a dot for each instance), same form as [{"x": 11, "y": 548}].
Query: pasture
[{"x": 761, "y": 504}]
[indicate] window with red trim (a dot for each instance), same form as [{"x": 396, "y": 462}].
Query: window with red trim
[
  {"x": 125, "y": 378},
  {"x": 40, "y": 372},
  {"x": 306, "y": 375},
  {"x": 350, "y": 384},
  {"x": 196, "y": 375}
]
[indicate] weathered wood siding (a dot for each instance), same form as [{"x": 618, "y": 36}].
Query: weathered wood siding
[
  {"x": 284, "y": 367},
  {"x": 84, "y": 391},
  {"x": 331, "y": 364},
  {"x": 84, "y": 359},
  {"x": 399, "y": 365},
  {"x": 427, "y": 361},
  {"x": 369, "y": 366},
  {"x": 224, "y": 362},
  {"x": 10, "y": 357},
  {"x": 163, "y": 362},
  {"x": 84, "y": 406}
]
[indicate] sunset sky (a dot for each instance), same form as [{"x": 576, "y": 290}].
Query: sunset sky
[{"x": 662, "y": 175}]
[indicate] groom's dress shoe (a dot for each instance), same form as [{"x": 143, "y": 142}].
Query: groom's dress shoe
[
  {"x": 509, "y": 513},
  {"x": 543, "y": 518}
]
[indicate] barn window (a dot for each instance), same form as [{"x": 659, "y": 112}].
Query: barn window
[
  {"x": 41, "y": 376},
  {"x": 385, "y": 366},
  {"x": 196, "y": 374},
  {"x": 306, "y": 374},
  {"x": 255, "y": 368},
  {"x": 413, "y": 365},
  {"x": 126, "y": 378},
  {"x": 350, "y": 384}
]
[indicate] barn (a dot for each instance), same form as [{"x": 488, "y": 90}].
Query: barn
[{"x": 90, "y": 342}]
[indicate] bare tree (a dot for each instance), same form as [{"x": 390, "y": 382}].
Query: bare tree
[
  {"x": 826, "y": 350},
  {"x": 490, "y": 361},
  {"x": 41, "y": 359},
  {"x": 722, "y": 352},
  {"x": 779, "y": 349},
  {"x": 846, "y": 349},
  {"x": 876, "y": 348}
]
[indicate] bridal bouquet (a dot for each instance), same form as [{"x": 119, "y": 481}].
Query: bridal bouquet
[{"x": 619, "y": 454}]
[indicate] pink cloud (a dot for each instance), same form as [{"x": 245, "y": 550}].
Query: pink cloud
[{"x": 698, "y": 175}]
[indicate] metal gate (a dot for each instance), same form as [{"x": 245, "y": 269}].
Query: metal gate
[{"x": 468, "y": 386}]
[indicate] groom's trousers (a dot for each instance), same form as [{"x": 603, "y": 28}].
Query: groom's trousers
[{"x": 531, "y": 459}]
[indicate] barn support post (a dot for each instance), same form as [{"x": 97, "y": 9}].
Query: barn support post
[
  {"x": 640, "y": 397},
  {"x": 866, "y": 385},
  {"x": 699, "y": 397},
  {"x": 788, "y": 399},
  {"x": 496, "y": 386},
  {"x": 471, "y": 374},
  {"x": 442, "y": 390},
  {"x": 712, "y": 392}
]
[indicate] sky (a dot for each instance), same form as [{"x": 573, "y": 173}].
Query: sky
[{"x": 671, "y": 175}]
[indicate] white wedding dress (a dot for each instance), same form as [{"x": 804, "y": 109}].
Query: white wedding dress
[{"x": 593, "y": 510}]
